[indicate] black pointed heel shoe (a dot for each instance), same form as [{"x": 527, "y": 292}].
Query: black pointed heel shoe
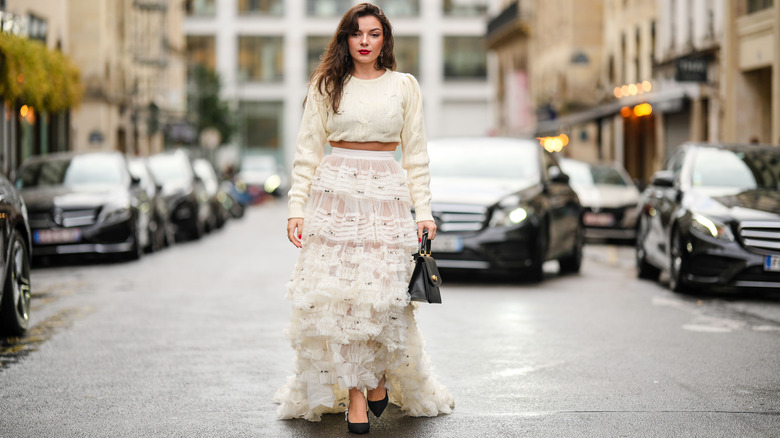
[
  {"x": 377, "y": 407},
  {"x": 356, "y": 428}
]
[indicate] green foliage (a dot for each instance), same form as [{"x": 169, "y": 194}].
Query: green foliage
[
  {"x": 205, "y": 105},
  {"x": 37, "y": 76}
]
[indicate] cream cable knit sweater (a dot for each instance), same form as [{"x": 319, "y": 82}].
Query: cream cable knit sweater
[{"x": 385, "y": 109}]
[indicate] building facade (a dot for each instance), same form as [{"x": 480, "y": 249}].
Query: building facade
[
  {"x": 750, "y": 63},
  {"x": 131, "y": 53},
  {"x": 670, "y": 71},
  {"x": 265, "y": 52},
  {"x": 27, "y": 129}
]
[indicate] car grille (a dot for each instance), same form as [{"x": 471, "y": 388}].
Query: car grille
[
  {"x": 459, "y": 217},
  {"x": 64, "y": 218},
  {"x": 760, "y": 235}
]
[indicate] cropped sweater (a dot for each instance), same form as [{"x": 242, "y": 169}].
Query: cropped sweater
[{"x": 385, "y": 109}]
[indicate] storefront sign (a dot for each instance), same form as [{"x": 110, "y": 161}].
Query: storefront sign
[{"x": 691, "y": 70}]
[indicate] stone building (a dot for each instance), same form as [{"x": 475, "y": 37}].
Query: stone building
[
  {"x": 668, "y": 71},
  {"x": 27, "y": 128},
  {"x": 131, "y": 54},
  {"x": 750, "y": 75}
]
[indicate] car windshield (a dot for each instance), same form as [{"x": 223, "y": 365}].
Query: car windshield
[
  {"x": 484, "y": 159},
  {"x": 167, "y": 168},
  {"x": 607, "y": 175},
  {"x": 739, "y": 169},
  {"x": 72, "y": 171},
  {"x": 579, "y": 172}
]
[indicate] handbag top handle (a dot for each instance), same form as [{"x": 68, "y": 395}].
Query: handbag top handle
[{"x": 425, "y": 244}]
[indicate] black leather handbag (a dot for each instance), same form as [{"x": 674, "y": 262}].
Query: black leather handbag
[{"x": 425, "y": 282}]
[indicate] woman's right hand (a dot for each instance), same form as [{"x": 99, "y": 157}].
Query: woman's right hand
[{"x": 294, "y": 230}]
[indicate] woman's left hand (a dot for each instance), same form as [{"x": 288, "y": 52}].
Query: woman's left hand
[{"x": 426, "y": 225}]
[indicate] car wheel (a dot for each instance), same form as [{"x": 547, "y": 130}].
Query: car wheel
[
  {"x": 677, "y": 263},
  {"x": 644, "y": 269},
  {"x": 15, "y": 306},
  {"x": 137, "y": 250},
  {"x": 156, "y": 235},
  {"x": 571, "y": 264}
]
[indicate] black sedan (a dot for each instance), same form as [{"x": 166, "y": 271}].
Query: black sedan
[
  {"x": 503, "y": 204},
  {"x": 15, "y": 235},
  {"x": 184, "y": 191},
  {"x": 711, "y": 218},
  {"x": 83, "y": 203}
]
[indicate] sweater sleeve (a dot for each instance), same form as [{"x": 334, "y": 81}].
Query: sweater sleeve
[
  {"x": 308, "y": 151},
  {"x": 414, "y": 147}
]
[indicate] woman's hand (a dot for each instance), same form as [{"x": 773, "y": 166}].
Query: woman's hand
[
  {"x": 426, "y": 225},
  {"x": 294, "y": 230}
]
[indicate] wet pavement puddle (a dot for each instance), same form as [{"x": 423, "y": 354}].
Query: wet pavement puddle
[{"x": 14, "y": 349}]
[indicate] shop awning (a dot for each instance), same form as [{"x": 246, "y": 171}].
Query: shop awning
[{"x": 669, "y": 99}]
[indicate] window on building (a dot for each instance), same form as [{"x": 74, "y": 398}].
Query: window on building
[
  {"x": 201, "y": 50},
  {"x": 759, "y": 5},
  {"x": 464, "y": 58},
  {"x": 260, "y": 59},
  {"x": 315, "y": 47},
  {"x": 337, "y": 8},
  {"x": 465, "y": 8},
  {"x": 260, "y": 7},
  {"x": 260, "y": 124},
  {"x": 407, "y": 54},
  {"x": 328, "y": 8},
  {"x": 201, "y": 8},
  {"x": 399, "y": 8}
]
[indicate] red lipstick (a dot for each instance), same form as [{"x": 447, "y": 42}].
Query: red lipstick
[{"x": 364, "y": 52}]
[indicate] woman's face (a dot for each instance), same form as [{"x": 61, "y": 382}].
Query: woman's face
[{"x": 365, "y": 44}]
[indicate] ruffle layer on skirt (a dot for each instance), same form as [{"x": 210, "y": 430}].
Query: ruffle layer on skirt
[{"x": 351, "y": 317}]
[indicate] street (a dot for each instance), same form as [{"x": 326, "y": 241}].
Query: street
[{"x": 189, "y": 342}]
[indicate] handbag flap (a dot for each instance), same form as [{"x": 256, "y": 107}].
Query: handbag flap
[{"x": 432, "y": 270}]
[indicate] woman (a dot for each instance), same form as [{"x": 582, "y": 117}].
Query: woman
[{"x": 353, "y": 326}]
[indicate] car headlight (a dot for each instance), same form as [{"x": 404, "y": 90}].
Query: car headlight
[
  {"x": 272, "y": 183},
  {"x": 508, "y": 216},
  {"x": 712, "y": 227},
  {"x": 115, "y": 213}
]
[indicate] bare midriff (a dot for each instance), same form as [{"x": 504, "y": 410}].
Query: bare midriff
[{"x": 365, "y": 146}]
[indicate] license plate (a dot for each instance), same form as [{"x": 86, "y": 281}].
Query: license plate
[
  {"x": 772, "y": 263},
  {"x": 45, "y": 237},
  {"x": 598, "y": 219},
  {"x": 446, "y": 244}
]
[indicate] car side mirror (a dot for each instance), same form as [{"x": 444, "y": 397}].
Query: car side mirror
[
  {"x": 557, "y": 175},
  {"x": 663, "y": 178}
]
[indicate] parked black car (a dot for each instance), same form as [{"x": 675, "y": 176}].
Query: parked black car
[
  {"x": 161, "y": 232},
  {"x": 712, "y": 218},
  {"x": 16, "y": 243},
  {"x": 184, "y": 192},
  {"x": 503, "y": 204},
  {"x": 83, "y": 203}
]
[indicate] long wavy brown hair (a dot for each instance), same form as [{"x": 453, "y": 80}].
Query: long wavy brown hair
[{"x": 336, "y": 63}]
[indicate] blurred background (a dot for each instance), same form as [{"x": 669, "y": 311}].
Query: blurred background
[{"x": 621, "y": 81}]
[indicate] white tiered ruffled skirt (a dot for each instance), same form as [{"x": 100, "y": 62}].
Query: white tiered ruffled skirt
[{"x": 352, "y": 319}]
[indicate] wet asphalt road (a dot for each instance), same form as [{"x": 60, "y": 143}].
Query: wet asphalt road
[{"x": 188, "y": 343}]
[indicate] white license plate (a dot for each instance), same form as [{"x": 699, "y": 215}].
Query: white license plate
[
  {"x": 446, "y": 244},
  {"x": 772, "y": 263},
  {"x": 598, "y": 219},
  {"x": 57, "y": 236}
]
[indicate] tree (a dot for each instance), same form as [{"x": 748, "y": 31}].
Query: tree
[{"x": 206, "y": 109}]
